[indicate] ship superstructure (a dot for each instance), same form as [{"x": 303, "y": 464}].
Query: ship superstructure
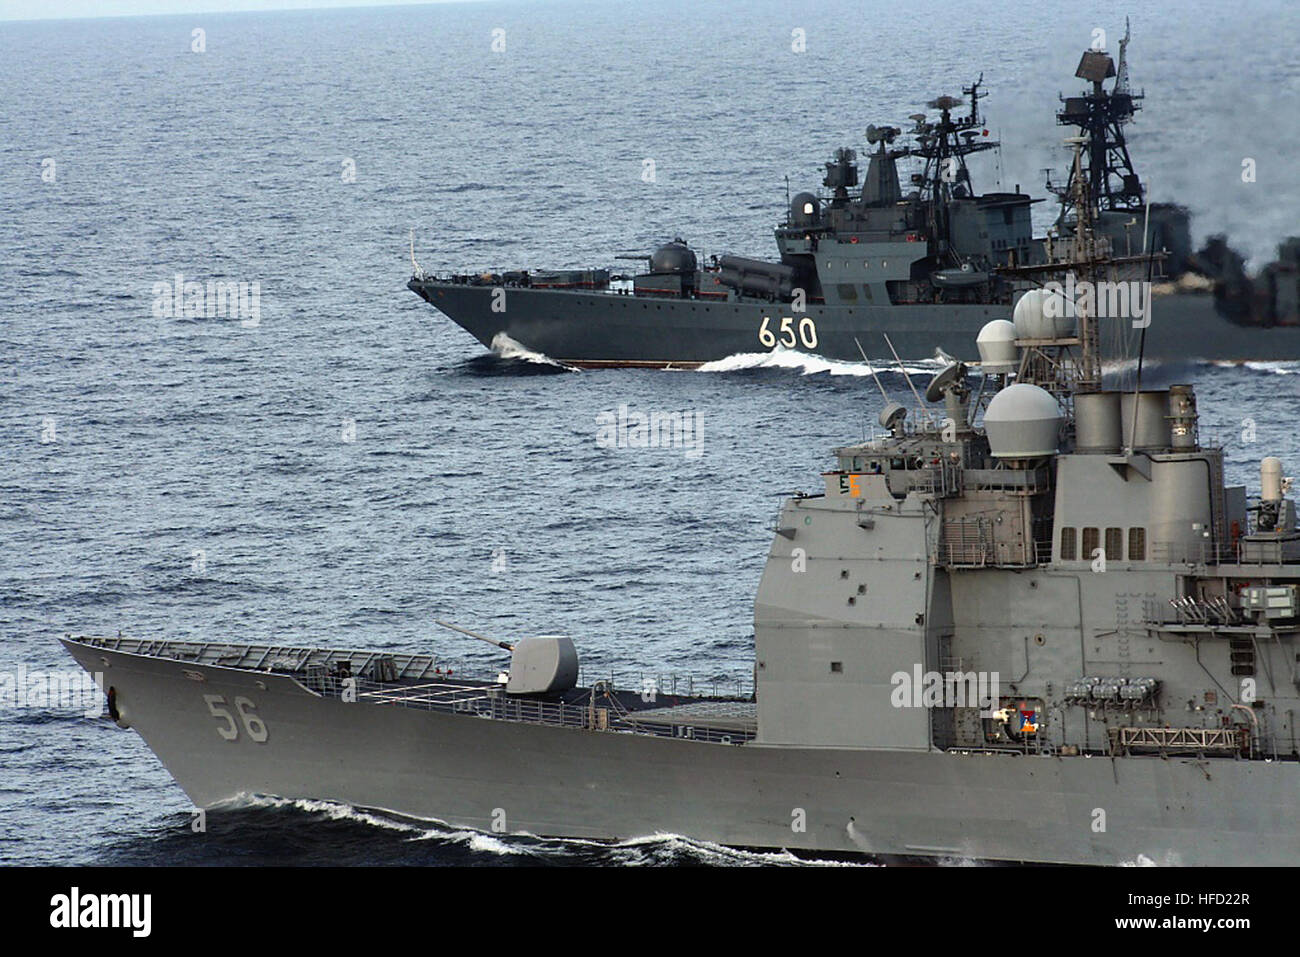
[{"x": 919, "y": 257}]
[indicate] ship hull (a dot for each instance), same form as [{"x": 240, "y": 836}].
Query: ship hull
[
  {"x": 593, "y": 329},
  {"x": 549, "y": 781}
]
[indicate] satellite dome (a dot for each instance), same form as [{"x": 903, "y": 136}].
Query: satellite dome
[
  {"x": 1022, "y": 422},
  {"x": 1044, "y": 314},
  {"x": 997, "y": 346},
  {"x": 673, "y": 257},
  {"x": 805, "y": 210}
]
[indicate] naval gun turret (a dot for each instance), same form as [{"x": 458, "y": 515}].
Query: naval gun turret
[
  {"x": 673, "y": 271},
  {"x": 545, "y": 664}
]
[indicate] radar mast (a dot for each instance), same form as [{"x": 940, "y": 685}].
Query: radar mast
[
  {"x": 944, "y": 146},
  {"x": 1101, "y": 115}
]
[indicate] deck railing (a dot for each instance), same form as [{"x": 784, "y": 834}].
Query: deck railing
[
  {"x": 434, "y": 684},
  {"x": 600, "y": 712}
]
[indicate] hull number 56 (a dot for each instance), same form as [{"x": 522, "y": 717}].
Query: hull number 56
[
  {"x": 254, "y": 726},
  {"x": 786, "y": 334}
]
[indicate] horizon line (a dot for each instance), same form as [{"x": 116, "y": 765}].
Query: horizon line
[{"x": 313, "y": 5}]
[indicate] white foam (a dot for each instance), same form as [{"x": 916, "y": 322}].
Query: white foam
[
  {"x": 806, "y": 363},
  {"x": 477, "y": 841},
  {"x": 1279, "y": 367},
  {"x": 1168, "y": 859},
  {"x": 710, "y": 853},
  {"x": 330, "y": 809},
  {"x": 508, "y": 348},
  {"x": 633, "y": 851}
]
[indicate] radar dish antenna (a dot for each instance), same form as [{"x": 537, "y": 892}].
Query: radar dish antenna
[
  {"x": 882, "y": 134},
  {"x": 892, "y": 416},
  {"x": 953, "y": 376}
]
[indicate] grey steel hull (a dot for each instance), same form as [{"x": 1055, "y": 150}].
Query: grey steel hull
[
  {"x": 604, "y": 329},
  {"x": 563, "y": 782}
]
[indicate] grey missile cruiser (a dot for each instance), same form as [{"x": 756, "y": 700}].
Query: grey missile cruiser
[
  {"x": 921, "y": 258},
  {"x": 1028, "y": 621}
]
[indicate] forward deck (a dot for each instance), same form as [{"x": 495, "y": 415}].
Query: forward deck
[{"x": 431, "y": 683}]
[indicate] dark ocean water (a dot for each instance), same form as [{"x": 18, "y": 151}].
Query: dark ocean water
[{"x": 131, "y": 442}]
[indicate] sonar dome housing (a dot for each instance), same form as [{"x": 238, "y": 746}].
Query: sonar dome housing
[{"x": 1022, "y": 422}]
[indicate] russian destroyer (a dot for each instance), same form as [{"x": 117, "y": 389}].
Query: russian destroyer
[
  {"x": 869, "y": 259},
  {"x": 1028, "y": 622}
]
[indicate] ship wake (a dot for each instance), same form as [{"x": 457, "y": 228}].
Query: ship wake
[
  {"x": 1275, "y": 367},
  {"x": 806, "y": 363},
  {"x": 368, "y": 835}
]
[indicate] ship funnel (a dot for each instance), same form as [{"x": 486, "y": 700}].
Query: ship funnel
[
  {"x": 1148, "y": 429},
  {"x": 1022, "y": 422},
  {"x": 1096, "y": 422},
  {"x": 997, "y": 346}
]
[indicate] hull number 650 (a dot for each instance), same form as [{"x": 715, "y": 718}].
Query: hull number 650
[{"x": 787, "y": 333}]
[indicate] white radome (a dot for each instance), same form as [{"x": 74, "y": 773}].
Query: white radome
[
  {"x": 1043, "y": 314},
  {"x": 1022, "y": 421},
  {"x": 997, "y": 346}
]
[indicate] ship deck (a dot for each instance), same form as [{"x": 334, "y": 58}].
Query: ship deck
[{"x": 430, "y": 683}]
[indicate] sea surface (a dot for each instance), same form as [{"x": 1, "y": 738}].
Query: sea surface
[{"x": 352, "y": 465}]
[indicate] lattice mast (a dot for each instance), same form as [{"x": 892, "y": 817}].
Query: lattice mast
[{"x": 1101, "y": 116}]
